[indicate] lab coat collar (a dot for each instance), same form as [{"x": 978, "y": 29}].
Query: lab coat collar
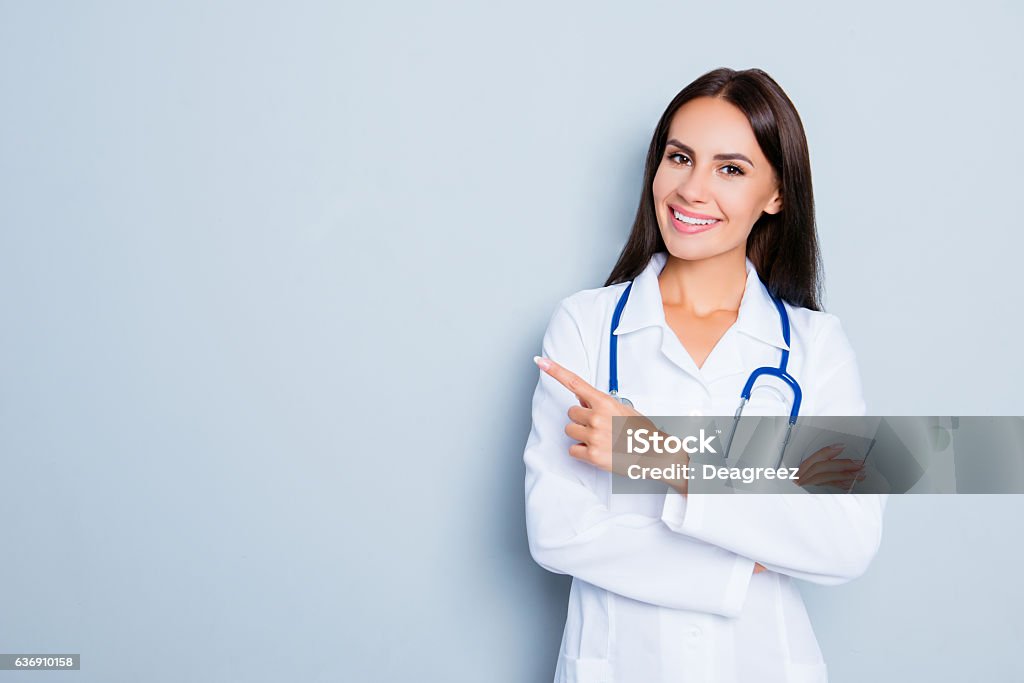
[{"x": 757, "y": 316}]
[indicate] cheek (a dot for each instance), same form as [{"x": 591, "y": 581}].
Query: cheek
[
  {"x": 666, "y": 181},
  {"x": 738, "y": 203},
  {"x": 661, "y": 186}
]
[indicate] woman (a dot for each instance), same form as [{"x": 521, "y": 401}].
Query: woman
[{"x": 699, "y": 587}]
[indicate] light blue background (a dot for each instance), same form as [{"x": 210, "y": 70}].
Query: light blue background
[{"x": 272, "y": 275}]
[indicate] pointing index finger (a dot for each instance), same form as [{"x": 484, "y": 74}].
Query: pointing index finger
[{"x": 569, "y": 380}]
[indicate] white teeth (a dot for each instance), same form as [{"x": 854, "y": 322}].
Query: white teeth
[{"x": 693, "y": 221}]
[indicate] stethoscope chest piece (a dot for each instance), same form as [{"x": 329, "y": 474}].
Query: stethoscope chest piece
[{"x": 621, "y": 399}]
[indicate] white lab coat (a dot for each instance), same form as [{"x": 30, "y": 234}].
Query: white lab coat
[{"x": 663, "y": 587}]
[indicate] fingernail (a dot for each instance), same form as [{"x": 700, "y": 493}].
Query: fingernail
[
  {"x": 542, "y": 363},
  {"x": 837, "y": 446}
]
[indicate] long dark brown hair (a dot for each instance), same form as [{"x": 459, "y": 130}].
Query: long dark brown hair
[{"x": 782, "y": 246}]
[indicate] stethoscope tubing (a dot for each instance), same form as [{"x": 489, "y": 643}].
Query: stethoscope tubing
[{"x": 781, "y": 372}]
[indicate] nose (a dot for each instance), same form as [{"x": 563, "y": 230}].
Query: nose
[{"x": 693, "y": 188}]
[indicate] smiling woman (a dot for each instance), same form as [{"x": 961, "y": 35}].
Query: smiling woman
[
  {"x": 718, "y": 277},
  {"x": 737, "y": 187}
]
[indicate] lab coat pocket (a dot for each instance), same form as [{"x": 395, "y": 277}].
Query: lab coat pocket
[{"x": 575, "y": 670}]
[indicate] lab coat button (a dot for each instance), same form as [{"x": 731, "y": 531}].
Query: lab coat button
[{"x": 693, "y": 632}]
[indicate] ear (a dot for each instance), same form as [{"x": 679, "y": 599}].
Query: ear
[{"x": 774, "y": 204}]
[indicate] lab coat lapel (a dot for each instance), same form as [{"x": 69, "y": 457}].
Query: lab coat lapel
[
  {"x": 757, "y": 318},
  {"x": 645, "y": 309},
  {"x": 677, "y": 353},
  {"x": 725, "y": 359}
]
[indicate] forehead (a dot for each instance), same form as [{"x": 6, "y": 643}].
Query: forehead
[{"x": 711, "y": 125}]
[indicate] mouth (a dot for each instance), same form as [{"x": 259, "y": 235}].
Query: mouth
[{"x": 689, "y": 223}]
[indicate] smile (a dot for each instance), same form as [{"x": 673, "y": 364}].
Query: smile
[{"x": 689, "y": 225}]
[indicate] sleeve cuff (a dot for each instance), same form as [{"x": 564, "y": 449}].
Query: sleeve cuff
[{"x": 684, "y": 516}]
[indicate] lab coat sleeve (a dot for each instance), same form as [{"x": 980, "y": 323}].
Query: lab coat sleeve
[
  {"x": 824, "y": 538},
  {"x": 572, "y": 531}
]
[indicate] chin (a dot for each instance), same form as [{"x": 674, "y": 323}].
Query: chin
[
  {"x": 690, "y": 249},
  {"x": 698, "y": 247},
  {"x": 690, "y": 254}
]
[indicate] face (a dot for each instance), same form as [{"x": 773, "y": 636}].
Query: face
[{"x": 715, "y": 176}]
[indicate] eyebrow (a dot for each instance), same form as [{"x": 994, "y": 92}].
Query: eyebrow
[{"x": 731, "y": 156}]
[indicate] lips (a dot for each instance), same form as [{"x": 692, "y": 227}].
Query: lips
[
  {"x": 691, "y": 214},
  {"x": 687, "y": 228}
]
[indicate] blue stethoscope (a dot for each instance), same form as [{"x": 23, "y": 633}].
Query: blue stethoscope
[{"x": 781, "y": 372}]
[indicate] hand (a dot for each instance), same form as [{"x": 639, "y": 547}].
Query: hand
[
  {"x": 590, "y": 423},
  {"x": 823, "y": 468}
]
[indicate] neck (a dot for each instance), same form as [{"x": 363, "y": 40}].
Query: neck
[{"x": 705, "y": 286}]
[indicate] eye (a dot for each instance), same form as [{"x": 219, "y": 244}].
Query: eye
[{"x": 730, "y": 169}]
